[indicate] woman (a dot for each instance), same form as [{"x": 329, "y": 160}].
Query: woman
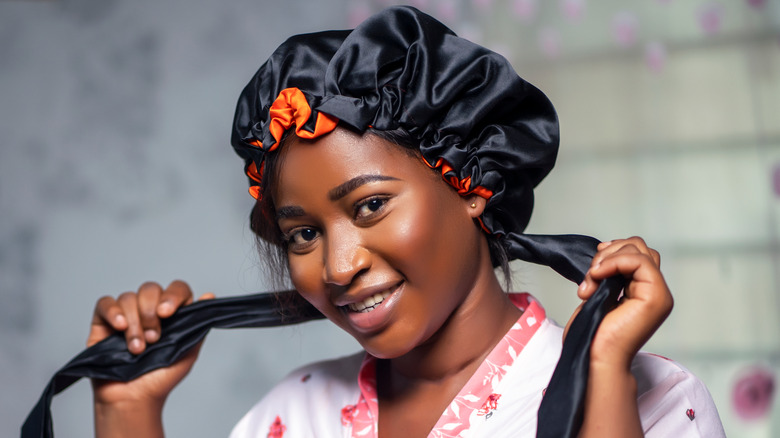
[{"x": 353, "y": 142}]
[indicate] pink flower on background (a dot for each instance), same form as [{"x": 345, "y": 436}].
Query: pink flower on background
[
  {"x": 574, "y": 10},
  {"x": 776, "y": 179},
  {"x": 655, "y": 56},
  {"x": 447, "y": 11},
  {"x": 419, "y": 4},
  {"x": 358, "y": 12},
  {"x": 482, "y": 5},
  {"x": 550, "y": 42},
  {"x": 524, "y": 9},
  {"x": 625, "y": 27},
  {"x": 710, "y": 17},
  {"x": 753, "y": 394}
]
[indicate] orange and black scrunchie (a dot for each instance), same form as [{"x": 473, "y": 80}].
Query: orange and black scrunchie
[{"x": 489, "y": 131}]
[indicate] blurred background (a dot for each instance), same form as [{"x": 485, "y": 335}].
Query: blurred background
[{"x": 115, "y": 169}]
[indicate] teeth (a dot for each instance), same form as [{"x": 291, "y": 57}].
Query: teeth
[{"x": 370, "y": 303}]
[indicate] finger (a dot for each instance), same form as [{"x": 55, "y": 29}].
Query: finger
[
  {"x": 638, "y": 267},
  {"x": 106, "y": 319},
  {"x": 606, "y": 249},
  {"x": 177, "y": 294},
  {"x": 596, "y": 273},
  {"x": 128, "y": 301},
  {"x": 656, "y": 257},
  {"x": 641, "y": 245},
  {"x": 148, "y": 300},
  {"x": 585, "y": 290},
  {"x": 207, "y": 296},
  {"x": 647, "y": 284},
  {"x": 604, "y": 244},
  {"x": 108, "y": 312}
]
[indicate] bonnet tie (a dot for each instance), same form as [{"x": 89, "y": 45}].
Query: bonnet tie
[{"x": 560, "y": 414}]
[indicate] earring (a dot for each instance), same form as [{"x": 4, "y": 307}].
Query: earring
[{"x": 473, "y": 205}]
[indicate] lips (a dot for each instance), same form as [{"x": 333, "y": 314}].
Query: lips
[{"x": 374, "y": 312}]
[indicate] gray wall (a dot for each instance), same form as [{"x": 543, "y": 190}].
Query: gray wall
[{"x": 115, "y": 169}]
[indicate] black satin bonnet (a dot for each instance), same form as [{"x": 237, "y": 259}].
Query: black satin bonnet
[{"x": 488, "y": 130}]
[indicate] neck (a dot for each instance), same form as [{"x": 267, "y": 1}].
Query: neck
[{"x": 455, "y": 352}]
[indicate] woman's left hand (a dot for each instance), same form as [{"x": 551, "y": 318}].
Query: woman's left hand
[{"x": 645, "y": 304}]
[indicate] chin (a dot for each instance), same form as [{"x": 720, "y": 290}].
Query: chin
[
  {"x": 387, "y": 353},
  {"x": 390, "y": 347}
]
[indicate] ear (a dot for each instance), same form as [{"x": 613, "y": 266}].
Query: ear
[{"x": 475, "y": 205}]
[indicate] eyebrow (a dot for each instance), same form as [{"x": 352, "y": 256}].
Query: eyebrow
[
  {"x": 289, "y": 211},
  {"x": 344, "y": 189},
  {"x": 334, "y": 194}
]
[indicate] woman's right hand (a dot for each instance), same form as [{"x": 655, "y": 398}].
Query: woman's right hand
[{"x": 138, "y": 315}]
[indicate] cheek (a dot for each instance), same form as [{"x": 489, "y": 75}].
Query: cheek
[
  {"x": 421, "y": 236},
  {"x": 305, "y": 274}
]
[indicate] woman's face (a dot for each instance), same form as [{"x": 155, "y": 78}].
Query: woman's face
[{"x": 378, "y": 242}]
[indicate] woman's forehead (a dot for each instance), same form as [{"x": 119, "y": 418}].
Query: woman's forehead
[{"x": 340, "y": 156}]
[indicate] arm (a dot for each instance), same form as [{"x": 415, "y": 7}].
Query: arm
[
  {"x": 611, "y": 401},
  {"x": 131, "y": 409}
]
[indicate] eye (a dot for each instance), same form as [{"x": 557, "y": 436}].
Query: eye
[
  {"x": 369, "y": 207},
  {"x": 299, "y": 238}
]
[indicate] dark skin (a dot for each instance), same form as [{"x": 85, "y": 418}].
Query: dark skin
[
  {"x": 428, "y": 338},
  {"x": 371, "y": 219}
]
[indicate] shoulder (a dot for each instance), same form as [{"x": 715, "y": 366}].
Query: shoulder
[
  {"x": 309, "y": 399},
  {"x": 531, "y": 370},
  {"x": 673, "y": 401}
]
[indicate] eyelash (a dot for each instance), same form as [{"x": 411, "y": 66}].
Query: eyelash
[
  {"x": 366, "y": 202},
  {"x": 290, "y": 236}
]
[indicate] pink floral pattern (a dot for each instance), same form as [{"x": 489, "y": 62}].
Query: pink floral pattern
[
  {"x": 277, "y": 429},
  {"x": 491, "y": 404},
  {"x": 363, "y": 416},
  {"x": 347, "y": 415},
  {"x": 478, "y": 398}
]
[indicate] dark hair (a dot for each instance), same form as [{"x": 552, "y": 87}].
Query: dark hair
[{"x": 272, "y": 248}]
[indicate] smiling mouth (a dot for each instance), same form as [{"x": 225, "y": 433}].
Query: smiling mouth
[{"x": 371, "y": 302}]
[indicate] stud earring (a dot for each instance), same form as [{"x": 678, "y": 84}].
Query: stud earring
[{"x": 473, "y": 205}]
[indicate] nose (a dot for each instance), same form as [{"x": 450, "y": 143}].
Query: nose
[{"x": 345, "y": 257}]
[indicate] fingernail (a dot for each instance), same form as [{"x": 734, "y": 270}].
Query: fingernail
[
  {"x": 119, "y": 319},
  {"x": 165, "y": 307},
  {"x": 151, "y": 335},
  {"x": 135, "y": 344}
]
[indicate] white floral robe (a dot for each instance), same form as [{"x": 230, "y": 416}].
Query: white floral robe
[{"x": 337, "y": 398}]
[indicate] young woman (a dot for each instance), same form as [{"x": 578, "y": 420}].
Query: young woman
[{"x": 393, "y": 168}]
